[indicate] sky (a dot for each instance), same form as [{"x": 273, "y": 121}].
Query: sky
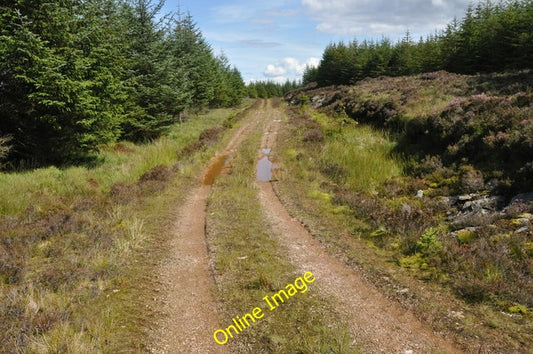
[{"x": 276, "y": 39}]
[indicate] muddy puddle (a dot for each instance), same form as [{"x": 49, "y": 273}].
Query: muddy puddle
[{"x": 215, "y": 168}]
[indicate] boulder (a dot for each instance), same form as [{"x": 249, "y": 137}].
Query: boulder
[{"x": 525, "y": 198}]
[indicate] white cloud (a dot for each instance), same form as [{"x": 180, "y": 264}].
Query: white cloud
[
  {"x": 291, "y": 67},
  {"x": 279, "y": 79},
  {"x": 377, "y": 17},
  {"x": 273, "y": 70}
]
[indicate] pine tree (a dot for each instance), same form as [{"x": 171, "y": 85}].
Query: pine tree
[
  {"x": 150, "y": 87},
  {"x": 60, "y": 101}
]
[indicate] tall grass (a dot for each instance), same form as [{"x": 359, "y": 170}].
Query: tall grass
[
  {"x": 363, "y": 155},
  {"x": 119, "y": 163},
  {"x": 75, "y": 261},
  {"x": 358, "y": 156}
]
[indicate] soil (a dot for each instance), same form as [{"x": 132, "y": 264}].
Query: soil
[
  {"x": 380, "y": 324},
  {"x": 189, "y": 303},
  {"x": 189, "y": 310}
]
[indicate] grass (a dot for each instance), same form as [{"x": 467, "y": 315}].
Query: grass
[
  {"x": 249, "y": 264},
  {"x": 364, "y": 156},
  {"x": 78, "y": 245},
  {"x": 374, "y": 222},
  {"x": 119, "y": 163}
]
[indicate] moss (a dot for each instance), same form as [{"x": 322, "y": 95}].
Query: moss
[
  {"x": 519, "y": 309},
  {"x": 320, "y": 196},
  {"x": 413, "y": 262},
  {"x": 466, "y": 236}
]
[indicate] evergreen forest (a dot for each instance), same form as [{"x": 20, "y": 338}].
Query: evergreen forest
[
  {"x": 491, "y": 37},
  {"x": 76, "y": 75}
]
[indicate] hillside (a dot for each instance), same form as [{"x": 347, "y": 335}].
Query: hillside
[
  {"x": 445, "y": 194},
  {"x": 480, "y": 125}
]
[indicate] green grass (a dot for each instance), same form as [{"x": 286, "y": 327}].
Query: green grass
[
  {"x": 363, "y": 154},
  {"x": 249, "y": 264},
  {"x": 119, "y": 163},
  {"x": 76, "y": 262}
]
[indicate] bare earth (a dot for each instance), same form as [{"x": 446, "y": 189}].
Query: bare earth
[
  {"x": 190, "y": 312},
  {"x": 381, "y": 325},
  {"x": 188, "y": 303}
]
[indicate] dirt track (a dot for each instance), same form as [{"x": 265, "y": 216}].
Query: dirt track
[{"x": 190, "y": 308}]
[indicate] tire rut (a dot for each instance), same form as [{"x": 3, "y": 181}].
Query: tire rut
[
  {"x": 379, "y": 324},
  {"x": 190, "y": 312}
]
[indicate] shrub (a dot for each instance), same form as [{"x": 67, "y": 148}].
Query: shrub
[
  {"x": 313, "y": 135},
  {"x": 470, "y": 180}
]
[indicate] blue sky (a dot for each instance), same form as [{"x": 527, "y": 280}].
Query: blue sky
[{"x": 276, "y": 39}]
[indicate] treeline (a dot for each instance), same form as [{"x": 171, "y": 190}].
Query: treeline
[
  {"x": 267, "y": 89},
  {"x": 78, "y": 74},
  {"x": 490, "y": 37}
]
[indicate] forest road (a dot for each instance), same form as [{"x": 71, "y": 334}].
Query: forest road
[
  {"x": 192, "y": 314},
  {"x": 380, "y": 324}
]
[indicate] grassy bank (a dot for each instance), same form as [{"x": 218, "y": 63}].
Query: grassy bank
[
  {"x": 249, "y": 264},
  {"x": 447, "y": 122},
  {"x": 78, "y": 245},
  {"x": 346, "y": 183}
]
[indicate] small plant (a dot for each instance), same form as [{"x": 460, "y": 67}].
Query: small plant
[
  {"x": 429, "y": 244},
  {"x": 303, "y": 99}
]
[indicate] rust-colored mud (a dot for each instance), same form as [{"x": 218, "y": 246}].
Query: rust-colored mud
[{"x": 215, "y": 168}]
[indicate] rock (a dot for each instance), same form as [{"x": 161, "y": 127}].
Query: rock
[
  {"x": 420, "y": 194},
  {"x": 473, "y": 218},
  {"x": 448, "y": 201},
  {"x": 318, "y": 100},
  {"x": 453, "y": 200},
  {"x": 487, "y": 202},
  {"x": 523, "y": 221},
  {"x": 522, "y": 198},
  {"x": 466, "y": 197},
  {"x": 522, "y": 229}
]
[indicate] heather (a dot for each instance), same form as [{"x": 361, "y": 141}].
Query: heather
[
  {"x": 481, "y": 121},
  {"x": 454, "y": 207}
]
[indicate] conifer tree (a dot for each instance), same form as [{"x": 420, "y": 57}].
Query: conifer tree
[{"x": 59, "y": 94}]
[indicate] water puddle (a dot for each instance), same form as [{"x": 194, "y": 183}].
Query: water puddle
[
  {"x": 264, "y": 169},
  {"x": 215, "y": 168},
  {"x": 266, "y": 151}
]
